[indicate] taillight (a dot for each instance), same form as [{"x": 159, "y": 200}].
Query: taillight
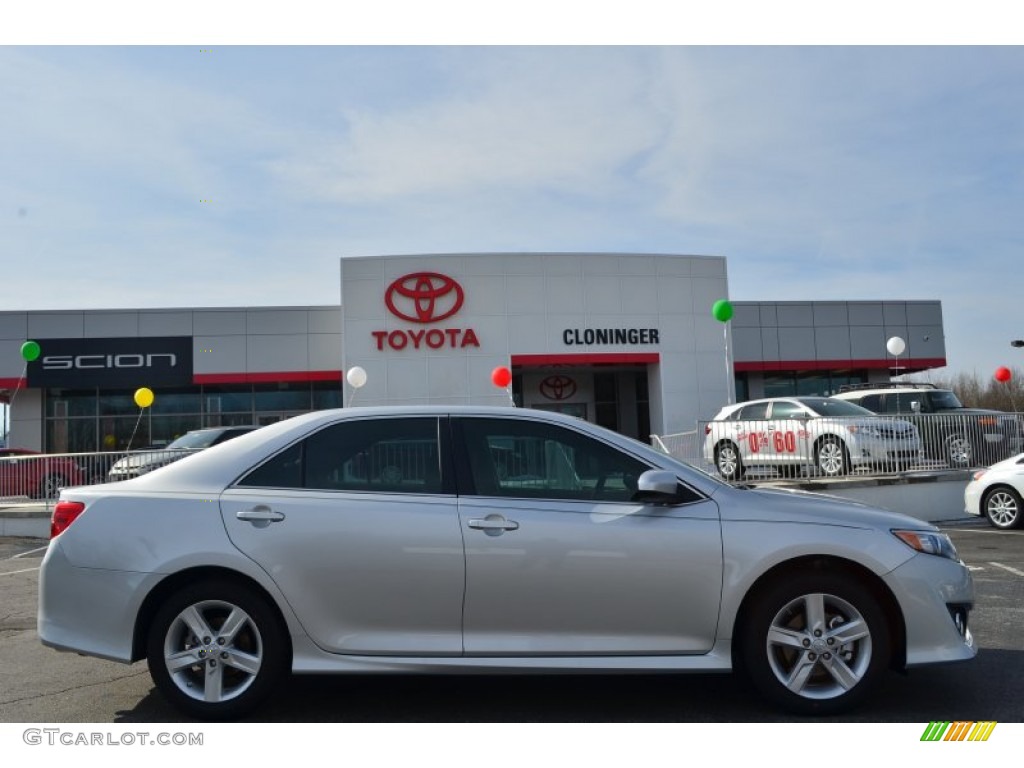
[{"x": 64, "y": 515}]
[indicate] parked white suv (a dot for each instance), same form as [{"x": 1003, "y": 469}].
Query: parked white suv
[{"x": 828, "y": 436}]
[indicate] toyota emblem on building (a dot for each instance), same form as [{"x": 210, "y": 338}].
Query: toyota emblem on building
[
  {"x": 424, "y": 297},
  {"x": 558, "y": 387}
]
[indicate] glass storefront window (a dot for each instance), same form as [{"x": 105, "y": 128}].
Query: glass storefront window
[
  {"x": 179, "y": 400},
  {"x": 71, "y": 402},
  {"x": 120, "y": 403},
  {"x": 70, "y": 435},
  {"x": 326, "y": 394},
  {"x": 227, "y": 399},
  {"x": 281, "y": 397}
]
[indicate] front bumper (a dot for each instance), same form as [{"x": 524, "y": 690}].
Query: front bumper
[{"x": 936, "y": 596}]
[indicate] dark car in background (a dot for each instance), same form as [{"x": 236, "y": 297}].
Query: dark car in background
[
  {"x": 143, "y": 462},
  {"x": 952, "y": 433},
  {"x": 37, "y": 475}
]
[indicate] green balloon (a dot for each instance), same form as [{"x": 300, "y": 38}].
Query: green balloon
[
  {"x": 722, "y": 311},
  {"x": 30, "y": 350}
]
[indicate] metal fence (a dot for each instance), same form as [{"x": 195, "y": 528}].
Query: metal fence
[
  {"x": 27, "y": 476},
  {"x": 832, "y": 447}
]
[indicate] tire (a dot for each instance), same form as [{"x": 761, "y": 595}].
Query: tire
[
  {"x": 831, "y": 457},
  {"x": 207, "y": 674},
  {"x": 1003, "y": 508},
  {"x": 50, "y": 485},
  {"x": 822, "y": 666},
  {"x": 957, "y": 451},
  {"x": 728, "y": 461}
]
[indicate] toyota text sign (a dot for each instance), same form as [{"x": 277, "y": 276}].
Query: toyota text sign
[{"x": 424, "y": 298}]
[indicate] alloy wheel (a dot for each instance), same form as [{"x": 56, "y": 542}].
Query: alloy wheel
[
  {"x": 1003, "y": 508},
  {"x": 819, "y": 646},
  {"x": 213, "y": 651}
]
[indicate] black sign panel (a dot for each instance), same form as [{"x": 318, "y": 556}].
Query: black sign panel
[{"x": 138, "y": 361}]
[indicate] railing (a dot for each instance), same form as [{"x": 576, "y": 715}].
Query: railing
[
  {"x": 40, "y": 476},
  {"x": 834, "y": 447}
]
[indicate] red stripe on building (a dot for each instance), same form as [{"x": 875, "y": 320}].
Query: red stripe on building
[
  {"x": 588, "y": 358},
  {"x": 16, "y": 383},
  {"x": 265, "y": 377},
  {"x": 905, "y": 364}
]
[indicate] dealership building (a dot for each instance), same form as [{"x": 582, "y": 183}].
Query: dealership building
[{"x": 624, "y": 340}]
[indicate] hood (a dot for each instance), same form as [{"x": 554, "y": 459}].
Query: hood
[
  {"x": 795, "y": 506},
  {"x": 974, "y": 411}
]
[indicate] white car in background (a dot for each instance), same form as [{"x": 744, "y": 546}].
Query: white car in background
[
  {"x": 996, "y": 493},
  {"x": 829, "y": 436}
]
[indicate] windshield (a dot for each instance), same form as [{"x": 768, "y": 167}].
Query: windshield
[
  {"x": 827, "y": 406},
  {"x": 195, "y": 440},
  {"x": 943, "y": 400}
]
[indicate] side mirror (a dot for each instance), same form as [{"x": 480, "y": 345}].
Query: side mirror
[{"x": 657, "y": 486}]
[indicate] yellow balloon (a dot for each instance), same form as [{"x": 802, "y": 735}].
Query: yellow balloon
[{"x": 144, "y": 397}]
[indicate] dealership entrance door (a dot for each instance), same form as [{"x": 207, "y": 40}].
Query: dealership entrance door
[{"x": 603, "y": 389}]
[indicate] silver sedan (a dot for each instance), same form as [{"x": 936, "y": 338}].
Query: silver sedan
[{"x": 487, "y": 539}]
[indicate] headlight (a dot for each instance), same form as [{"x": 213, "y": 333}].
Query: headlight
[
  {"x": 979, "y": 474},
  {"x": 929, "y": 543}
]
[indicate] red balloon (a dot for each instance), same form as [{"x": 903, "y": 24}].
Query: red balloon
[
  {"x": 1003, "y": 373},
  {"x": 501, "y": 376}
]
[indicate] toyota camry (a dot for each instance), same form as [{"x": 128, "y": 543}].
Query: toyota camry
[{"x": 462, "y": 539}]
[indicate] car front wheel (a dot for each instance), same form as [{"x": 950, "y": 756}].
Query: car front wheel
[
  {"x": 1003, "y": 508},
  {"x": 216, "y": 649},
  {"x": 728, "y": 461},
  {"x": 815, "y": 643}
]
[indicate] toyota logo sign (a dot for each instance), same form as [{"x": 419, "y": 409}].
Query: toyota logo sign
[
  {"x": 558, "y": 387},
  {"x": 424, "y": 297}
]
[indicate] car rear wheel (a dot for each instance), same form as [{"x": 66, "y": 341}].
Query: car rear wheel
[
  {"x": 50, "y": 485},
  {"x": 1003, "y": 508},
  {"x": 815, "y": 643},
  {"x": 832, "y": 458},
  {"x": 216, "y": 649},
  {"x": 728, "y": 461},
  {"x": 957, "y": 451}
]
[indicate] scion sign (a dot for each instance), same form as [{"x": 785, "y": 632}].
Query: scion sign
[{"x": 114, "y": 362}]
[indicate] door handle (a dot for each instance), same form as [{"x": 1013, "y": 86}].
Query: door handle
[
  {"x": 260, "y": 514},
  {"x": 493, "y": 525}
]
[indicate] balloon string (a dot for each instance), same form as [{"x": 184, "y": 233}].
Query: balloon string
[
  {"x": 14, "y": 394},
  {"x": 729, "y": 385},
  {"x": 511, "y": 398},
  {"x": 137, "y": 422}
]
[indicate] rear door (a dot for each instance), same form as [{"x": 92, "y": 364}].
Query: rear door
[{"x": 358, "y": 526}]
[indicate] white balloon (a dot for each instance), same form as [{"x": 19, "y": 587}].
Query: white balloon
[
  {"x": 896, "y": 345},
  {"x": 356, "y": 376}
]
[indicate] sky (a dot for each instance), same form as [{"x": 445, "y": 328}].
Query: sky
[{"x": 205, "y": 174}]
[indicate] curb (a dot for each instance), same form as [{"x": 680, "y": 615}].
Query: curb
[{"x": 26, "y": 520}]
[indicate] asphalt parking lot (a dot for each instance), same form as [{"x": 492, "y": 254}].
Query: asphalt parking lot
[{"x": 38, "y": 684}]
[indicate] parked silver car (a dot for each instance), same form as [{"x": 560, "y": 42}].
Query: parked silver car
[
  {"x": 457, "y": 539},
  {"x": 826, "y": 435}
]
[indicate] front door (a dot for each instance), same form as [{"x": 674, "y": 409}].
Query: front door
[{"x": 560, "y": 561}]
